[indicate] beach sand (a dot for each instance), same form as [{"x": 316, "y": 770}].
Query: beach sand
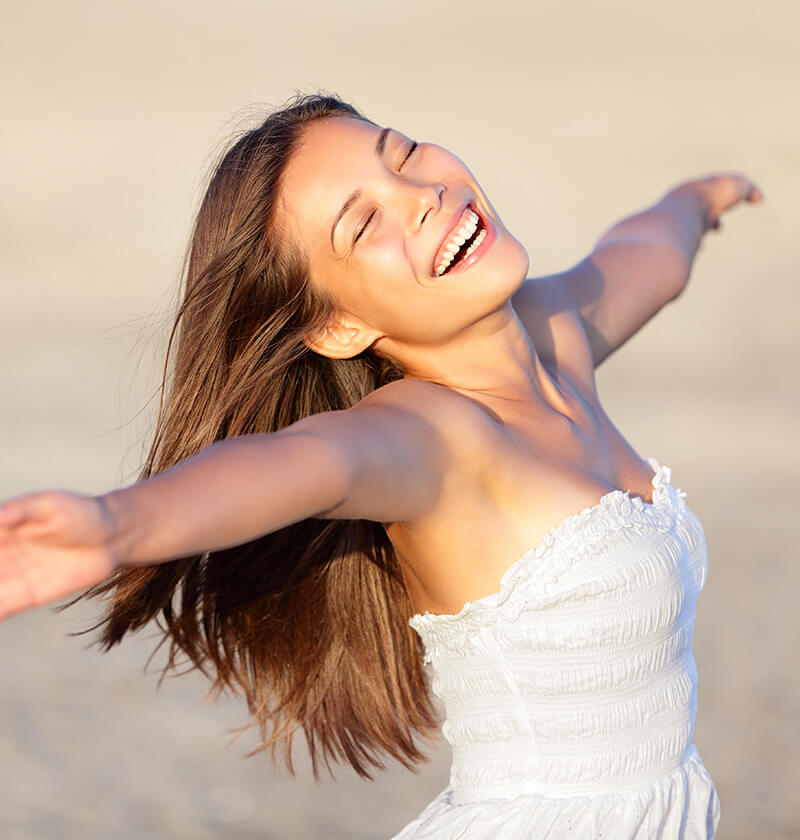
[{"x": 569, "y": 119}]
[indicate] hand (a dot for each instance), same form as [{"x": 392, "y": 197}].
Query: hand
[
  {"x": 722, "y": 192},
  {"x": 52, "y": 544}
]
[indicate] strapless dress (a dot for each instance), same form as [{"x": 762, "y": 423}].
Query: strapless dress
[{"x": 570, "y": 694}]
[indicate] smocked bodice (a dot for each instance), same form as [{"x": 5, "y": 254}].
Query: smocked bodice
[{"x": 576, "y": 677}]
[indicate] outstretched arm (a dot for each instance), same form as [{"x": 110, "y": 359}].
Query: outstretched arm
[
  {"x": 376, "y": 461},
  {"x": 644, "y": 261}
]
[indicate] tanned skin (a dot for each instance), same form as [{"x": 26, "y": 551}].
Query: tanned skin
[{"x": 495, "y": 435}]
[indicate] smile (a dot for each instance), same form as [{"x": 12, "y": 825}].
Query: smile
[{"x": 460, "y": 246}]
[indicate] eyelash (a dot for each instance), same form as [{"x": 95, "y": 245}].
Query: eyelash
[
  {"x": 363, "y": 227},
  {"x": 410, "y": 152}
]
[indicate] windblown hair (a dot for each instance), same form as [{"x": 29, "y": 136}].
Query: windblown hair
[{"x": 309, "y": 623}]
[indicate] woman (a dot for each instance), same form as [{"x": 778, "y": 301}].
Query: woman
[{"x": 377, "y": 431}]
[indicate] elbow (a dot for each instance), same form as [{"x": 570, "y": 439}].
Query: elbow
[
  {"x": 675, "y": 269},
  {"x": 678, "y": 286}
]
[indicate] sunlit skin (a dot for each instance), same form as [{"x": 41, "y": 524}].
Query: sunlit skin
[
  {"x": 531, "y": 444},
  {"x": 459, "y": 329},
  {"x": 495, "y": 434}
]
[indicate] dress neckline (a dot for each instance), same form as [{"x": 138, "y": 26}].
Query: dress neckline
[{"x": 609, "y": 501}]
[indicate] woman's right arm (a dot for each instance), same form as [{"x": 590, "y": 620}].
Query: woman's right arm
[{"x": 376, "y": 461}]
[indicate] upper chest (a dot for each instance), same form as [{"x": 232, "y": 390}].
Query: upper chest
[{"x": 514, "y": 474}]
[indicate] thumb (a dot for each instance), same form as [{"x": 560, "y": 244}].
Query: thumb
[{"x": 22, "y": 509}]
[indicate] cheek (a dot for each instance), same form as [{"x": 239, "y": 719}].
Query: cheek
[
  {"x": 371, "y": 291},
  {"x": 388, "y": 262}
]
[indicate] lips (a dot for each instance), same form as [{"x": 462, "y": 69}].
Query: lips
[{"x": 460, "y": 221}]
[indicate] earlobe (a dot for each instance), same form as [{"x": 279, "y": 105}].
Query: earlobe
[{"x": 342, "y": 340}]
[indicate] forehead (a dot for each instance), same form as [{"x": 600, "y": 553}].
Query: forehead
[{"x": 333, "y": 155}]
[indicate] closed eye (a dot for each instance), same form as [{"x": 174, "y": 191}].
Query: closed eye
[
  {"x": 411, "y": 150},
  {"x": 363, "y": 227}
]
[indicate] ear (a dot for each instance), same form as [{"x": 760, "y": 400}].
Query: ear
[{"x": 342, "y": 338}]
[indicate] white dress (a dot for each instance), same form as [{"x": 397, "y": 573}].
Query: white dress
[{"x": 570, "y": 694}]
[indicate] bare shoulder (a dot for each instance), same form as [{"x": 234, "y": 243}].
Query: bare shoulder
[
  {"x": 407, "y": 414},
  {"x": 551, "y": 316},
  {"x": 455, "y": 420},
  {"x": 397, "y": 447},
  {"x": 417, "y": 394},
  {"x": 458, "y": 427}
]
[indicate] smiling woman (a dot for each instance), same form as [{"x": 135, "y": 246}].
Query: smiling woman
[
  {"x": 387, "y": 222},
  {"x": 381, "y": 450}
]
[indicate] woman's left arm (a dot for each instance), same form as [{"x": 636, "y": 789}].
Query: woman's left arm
[{"x": 644, "y": 261}]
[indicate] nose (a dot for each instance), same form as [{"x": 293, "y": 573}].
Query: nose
[{"x": 422, "y": 201}]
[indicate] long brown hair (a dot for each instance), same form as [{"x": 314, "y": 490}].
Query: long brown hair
[{"x": 310, "y": 623}]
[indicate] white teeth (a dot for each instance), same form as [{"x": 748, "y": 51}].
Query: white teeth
[
  {"x": 458, "y": 238},
  {"x": 467, "y": 230},
  {"x": 478, "y": 239}
]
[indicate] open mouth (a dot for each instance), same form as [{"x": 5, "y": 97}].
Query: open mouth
[{"x": 463, "y": 240}]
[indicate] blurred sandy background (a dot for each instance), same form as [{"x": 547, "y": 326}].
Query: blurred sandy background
[{"x": 571, "y": 115}]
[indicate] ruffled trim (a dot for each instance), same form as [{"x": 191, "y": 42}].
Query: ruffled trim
[
  {"x": 541, "y": 567},
  {"x": 681, "y": 806}
]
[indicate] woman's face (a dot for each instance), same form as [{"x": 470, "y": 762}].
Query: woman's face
[{"x": 379, "y": 217}]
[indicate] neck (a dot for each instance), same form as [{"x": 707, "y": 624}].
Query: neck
[{"x": 494, "y": 359}]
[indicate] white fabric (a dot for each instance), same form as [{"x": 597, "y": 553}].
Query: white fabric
[{"x": 570, "y": 694}]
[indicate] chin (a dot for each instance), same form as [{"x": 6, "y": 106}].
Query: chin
[
  {"x": 514, "y": 271},
  {"x": 514, "y": 260},
  {"x": 523, "y": 258}
]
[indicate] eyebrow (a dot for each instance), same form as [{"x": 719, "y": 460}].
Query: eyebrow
[{"x": 380, "y": 145}]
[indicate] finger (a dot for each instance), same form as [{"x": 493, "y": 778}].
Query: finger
[
  {"x": 747, "y": 189},
  {"x": 24, "y": 509},
  {"x": 12, "y": 513}
]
